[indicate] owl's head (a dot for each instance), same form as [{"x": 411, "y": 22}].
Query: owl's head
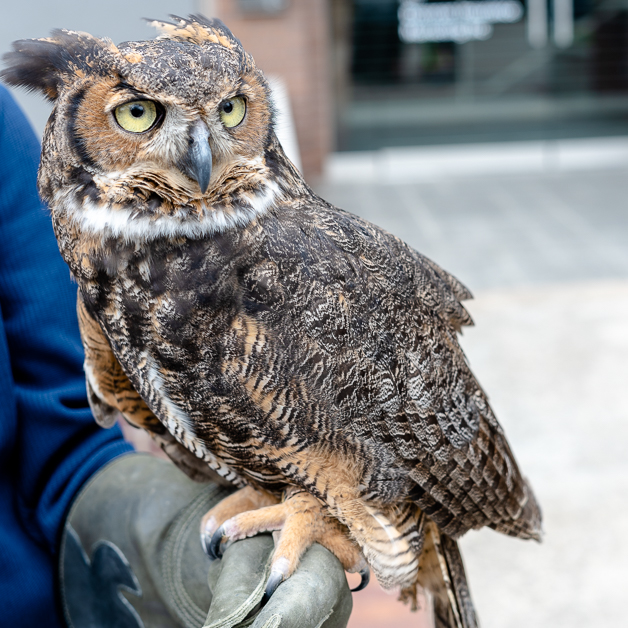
[{"x": 153, "y": 134}]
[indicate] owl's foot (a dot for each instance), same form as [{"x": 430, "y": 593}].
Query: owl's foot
[
  {"x": 301, "y": 519},
  {"x": 241, "y": 501}
]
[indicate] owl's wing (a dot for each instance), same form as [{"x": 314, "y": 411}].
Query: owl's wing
[
  {"x": 402, "y": 380},
  {"x": 110, "y": 393}
]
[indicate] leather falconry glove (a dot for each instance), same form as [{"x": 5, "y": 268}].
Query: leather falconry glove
[{"x": 131, "y": 557}]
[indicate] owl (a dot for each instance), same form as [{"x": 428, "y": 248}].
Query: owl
[{"x": 258, "y": 332}]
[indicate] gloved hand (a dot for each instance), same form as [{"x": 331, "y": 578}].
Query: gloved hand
[{"x": 131, "y": 557}]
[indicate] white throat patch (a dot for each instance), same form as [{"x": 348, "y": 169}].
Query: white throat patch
[{"x": 125, "y": 222}]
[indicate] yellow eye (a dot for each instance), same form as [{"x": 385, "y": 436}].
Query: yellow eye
[
  {"x": 232, "y": 111},
  {"x": 137, "y": 116}
]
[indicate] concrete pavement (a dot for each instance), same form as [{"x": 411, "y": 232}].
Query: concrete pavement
[{"x": 554, "y": 360}]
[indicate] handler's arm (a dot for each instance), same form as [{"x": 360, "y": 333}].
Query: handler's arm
[{"x": 49, "y": 443}]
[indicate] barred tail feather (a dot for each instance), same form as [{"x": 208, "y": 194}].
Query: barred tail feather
[{"x": 442, "y": 573}]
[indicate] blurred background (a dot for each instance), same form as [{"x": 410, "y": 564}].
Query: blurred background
[{"x": 491, "y": 135}]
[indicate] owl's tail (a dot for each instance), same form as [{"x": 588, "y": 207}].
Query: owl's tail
[{"x": 441, "y": 572}]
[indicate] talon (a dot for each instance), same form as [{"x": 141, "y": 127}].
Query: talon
[
  {"x": 207, "y": 530},
  {"x": 275, "y": 579},
  {"x": 205, "y": 540},
  {"x": 213, "y": 549},
  {"x": 365, "y": 573}
]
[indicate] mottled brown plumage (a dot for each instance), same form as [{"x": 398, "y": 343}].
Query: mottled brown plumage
[{"x": 283, "y": 342}]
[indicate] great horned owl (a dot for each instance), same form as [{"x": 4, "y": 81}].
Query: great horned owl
[{"x": 256, "y": 330}]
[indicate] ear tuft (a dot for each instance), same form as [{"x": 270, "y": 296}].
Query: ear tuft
[
  {"x": 43, "y": 64},
  {"x": 33, "y": 65},
  {"x": 197, "y": 29}
]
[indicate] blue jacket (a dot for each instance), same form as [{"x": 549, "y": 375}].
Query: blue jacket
[{"x": 49, "y": 442}]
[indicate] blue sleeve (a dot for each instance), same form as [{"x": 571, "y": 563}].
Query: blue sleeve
[{"x": 49, "y": 442}]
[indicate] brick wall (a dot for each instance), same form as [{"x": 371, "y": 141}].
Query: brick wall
[{"x": 293, "y": 43}]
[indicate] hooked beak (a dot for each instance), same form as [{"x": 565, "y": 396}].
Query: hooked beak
[{"x": 197, "y": 162}]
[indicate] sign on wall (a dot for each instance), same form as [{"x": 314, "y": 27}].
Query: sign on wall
[{"x": 461, "y": 21}]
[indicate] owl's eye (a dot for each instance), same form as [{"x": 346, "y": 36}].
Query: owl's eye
[
  {"x": 232, "y": 111},
  {"x": 137, "y": 116}
]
